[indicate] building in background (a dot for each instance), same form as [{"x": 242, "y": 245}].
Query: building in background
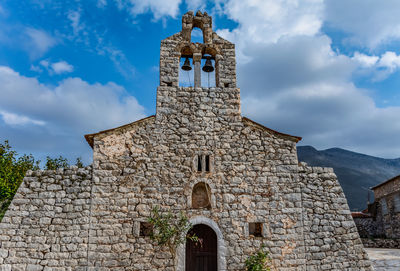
[
  {"x": 386, "y": 208},
  {"x": 382, "y": 217}
]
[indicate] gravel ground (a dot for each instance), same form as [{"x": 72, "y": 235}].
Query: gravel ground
[{"x": 384, "y": 259}]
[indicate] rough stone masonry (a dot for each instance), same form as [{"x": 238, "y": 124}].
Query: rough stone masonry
[{"x": 197, "y": 155}]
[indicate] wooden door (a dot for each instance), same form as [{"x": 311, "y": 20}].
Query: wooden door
[{"x": 202, "y": 256}]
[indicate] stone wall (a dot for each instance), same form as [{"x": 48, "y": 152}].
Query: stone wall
[
  {"x": 330, "y": 235},
  {"x": 381, "y": 243},
  {"x": 253, "y": 179},
  {"x": 388, "y": 217},
  {"x": 387, "y": 188},
  {"x": 366, "y": 226},
  {"x": 306, "y": 222},
  {"x": 46, "y": 225}
]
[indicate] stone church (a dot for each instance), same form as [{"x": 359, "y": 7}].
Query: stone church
[{"x": 239, "y": 182}]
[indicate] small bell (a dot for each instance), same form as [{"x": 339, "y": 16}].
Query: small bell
[
  {"x": 208, "y": 67},
  {"x": 186, "y": 65}
]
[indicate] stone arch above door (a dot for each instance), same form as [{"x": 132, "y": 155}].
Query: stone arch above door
[{"x": 221, "y": 248}]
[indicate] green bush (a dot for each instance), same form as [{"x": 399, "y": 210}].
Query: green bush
[
  {"x": 55, "y": 163},
  {"x": 79, "y": 163},
  {"x": 258, "y": 261}
]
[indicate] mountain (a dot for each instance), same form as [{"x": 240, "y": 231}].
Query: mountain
[{"x": 356, "y": 172}]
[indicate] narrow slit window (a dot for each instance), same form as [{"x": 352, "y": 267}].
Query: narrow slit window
[
  {"x": 207, "y": 163},
  {"x": 255, "y": 229},
  {"x": 397, "y": 203},
  {"x": 199, "y": 162},
  {"x": 384, "y": 206}
]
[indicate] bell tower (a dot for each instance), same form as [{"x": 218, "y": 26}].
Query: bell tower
[{"x": 218, "y": 56}]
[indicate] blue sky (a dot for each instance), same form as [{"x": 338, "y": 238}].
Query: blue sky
[{"x": 324, "y": 70}]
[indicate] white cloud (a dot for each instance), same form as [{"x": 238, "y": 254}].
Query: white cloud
[
  {"x": 293, "y": 81},
  {"x": 328, "y": 115},
  {"x": 15, "y": 119},
  {"x": 59, "y": 67},
  {"x": 196, "y": 5},
  {"x": 365, "y": 60},
  {"x": 101, "y": 3},
  {"x": 75, "y": 17},
  {"x": 326, "y": 112},
  {"x": 82, "y": 105},
  {"x": 35, "y": 68},
  {"x": 62, "y": 67},
  {"x": 159, "y": 8},
  {"x": 62, "y": 113},
  {"x": 378, "y": 68},
  {"x": 390, "y": 60},
  {"x": 39, "y": 42},
  {"x": 267, "y": 21},
  {"x": 368, "y": 23},
  {"x": 44, "y": 63}
]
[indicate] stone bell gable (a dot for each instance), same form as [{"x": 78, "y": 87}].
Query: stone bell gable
[
  {"x": 239, "y": 183},
  {"x": 175, "y": 46}
]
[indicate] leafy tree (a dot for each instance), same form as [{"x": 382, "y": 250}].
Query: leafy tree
[
  {"x": 12, "y": 172},
  {"x": 13, "y": 169},
  {"x": 258, "y": 261},
  {"x": 55, "y": 163},
  {"x": 170, "y": 230}
]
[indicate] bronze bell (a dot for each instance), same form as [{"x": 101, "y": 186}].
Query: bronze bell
[
  {"x": 186, "y": 65},
  {"x": 208, "y": 67}
]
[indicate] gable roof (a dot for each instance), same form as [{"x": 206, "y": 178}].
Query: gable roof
[
  {"x": 90, "y": 137},
  {"x": 385, "y": 182},
  {"x": 287, "y": 136}
]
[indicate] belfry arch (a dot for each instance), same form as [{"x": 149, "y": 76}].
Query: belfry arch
[
  {"x": 201, "y": 21},
  {"x": 195, "y": 36}
]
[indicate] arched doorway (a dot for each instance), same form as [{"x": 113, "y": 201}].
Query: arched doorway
[{"x": 202, "y": 256}]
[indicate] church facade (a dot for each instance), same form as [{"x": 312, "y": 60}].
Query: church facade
[{"x": 239, "y": 183}]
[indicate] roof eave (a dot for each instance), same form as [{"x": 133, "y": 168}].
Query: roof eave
[
  {"x": 385, "y": 182},
  {"x": 293, "y": 138},
  {"x": 90, "y": 137}
]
